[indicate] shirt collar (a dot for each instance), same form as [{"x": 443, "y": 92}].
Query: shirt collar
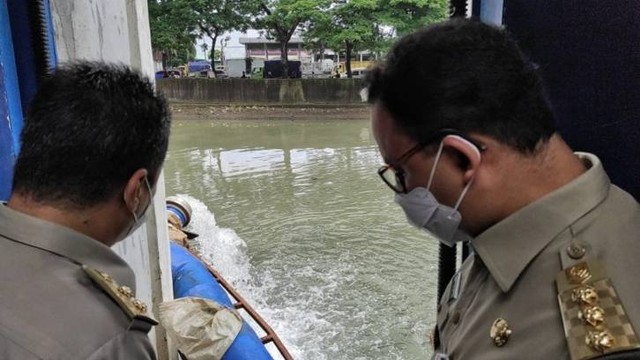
[
  {"x": 65, "y": 242},
  {"x": 510, "y": 245}
]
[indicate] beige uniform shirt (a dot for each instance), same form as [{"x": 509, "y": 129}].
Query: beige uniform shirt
[
  {"x": 50, "y": 308},
  {"x": 512, "y": 272}
]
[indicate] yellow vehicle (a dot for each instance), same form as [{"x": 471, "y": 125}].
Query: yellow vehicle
[{"x": 356, "y": 66}]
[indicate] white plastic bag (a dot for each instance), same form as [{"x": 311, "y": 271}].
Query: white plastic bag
[{"x": 200, "y": 328}]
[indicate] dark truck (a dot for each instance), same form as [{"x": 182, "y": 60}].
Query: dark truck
[{"x": 273, "y": 69}]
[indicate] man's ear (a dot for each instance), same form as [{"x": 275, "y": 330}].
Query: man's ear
[
  {"x": 133, "y": 190},
  {"x": 466, "y": 149}
]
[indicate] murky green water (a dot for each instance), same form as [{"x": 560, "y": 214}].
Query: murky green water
[{"x": 310, "y": 234}]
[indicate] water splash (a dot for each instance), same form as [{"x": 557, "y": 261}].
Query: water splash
[
  {"x": 227, "y": 253},
  {"x": 321, "y": 251}
]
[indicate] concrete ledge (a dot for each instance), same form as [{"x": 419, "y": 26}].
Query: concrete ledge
[
  {"x": 208, "y": 112},
  {"x": 283, "y": 92}
]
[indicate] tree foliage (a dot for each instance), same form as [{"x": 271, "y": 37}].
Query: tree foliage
[
  {"x": 282, "y": 18},
  {"x": 406, "y": 16},
  {"x": 170, "y": 34},
  {"x": 353, "y": 25},
  {"x": 212, "y": 18},
  {"x": 175, "y": 24},
  {"x": 340, "y": 25},
  {"x": 347, "y": 26}
]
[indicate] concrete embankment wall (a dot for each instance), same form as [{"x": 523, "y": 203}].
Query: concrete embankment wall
[{"x": 263, "y": 91}]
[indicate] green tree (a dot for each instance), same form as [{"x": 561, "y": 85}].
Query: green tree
[
  {"x": 351, "y": 25},
  {"x": 282, "y": 18},
  {"x": 346, "y": 26},
  {"x": 182, "y": 57},
  {"x": 396, "y": 18},
  {"x": 406, "y": 16},
  {"x": 212, "y": 18},
  {"x": 207, "y": 56},
  {"x": 170, "y": 33}
]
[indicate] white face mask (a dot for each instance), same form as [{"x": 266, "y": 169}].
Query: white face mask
[
  {"x": 140, "y": 220},
  {"x": 425, "y": 212}
]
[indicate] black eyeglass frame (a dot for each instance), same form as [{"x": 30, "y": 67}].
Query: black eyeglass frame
[{"x": 399, "y": 173}]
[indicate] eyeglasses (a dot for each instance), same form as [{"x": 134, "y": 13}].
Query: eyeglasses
[{"x": 394, "y": 176}]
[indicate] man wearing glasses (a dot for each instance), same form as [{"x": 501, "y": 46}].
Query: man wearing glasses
[{"x": 472, "y": 155}]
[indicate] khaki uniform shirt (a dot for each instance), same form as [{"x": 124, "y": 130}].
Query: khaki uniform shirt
[
  {"x": 512, "y": 271},
  {"x": 50, "y": 308}
]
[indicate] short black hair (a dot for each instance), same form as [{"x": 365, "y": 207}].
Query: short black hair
[
  {"x": 90, "y": 126},
  {"x": 465, "y": 75}
]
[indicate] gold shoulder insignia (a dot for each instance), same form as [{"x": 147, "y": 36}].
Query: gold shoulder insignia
[
  {"x": 122, "y": 295},
  {"x": 595, "y": 322}
]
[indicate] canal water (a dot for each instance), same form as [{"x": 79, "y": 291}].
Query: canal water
[{"x": 294, "y": 214}]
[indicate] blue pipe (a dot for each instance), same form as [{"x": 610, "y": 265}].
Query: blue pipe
[{"x": 192, "y": 278}]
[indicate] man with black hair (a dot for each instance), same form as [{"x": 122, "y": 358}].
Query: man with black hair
[
  {"x": 472, "y": 153},
  {"x": 93, "y": 144}
]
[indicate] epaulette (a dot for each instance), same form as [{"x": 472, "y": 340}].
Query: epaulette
[
  {"x": 122, "y": 295},
  {"x": 594, "y": 319}
]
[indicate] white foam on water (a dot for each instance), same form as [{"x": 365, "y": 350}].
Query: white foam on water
[
  {"x": 227, "y": 253},
  {"x": 312, "y": 303}
]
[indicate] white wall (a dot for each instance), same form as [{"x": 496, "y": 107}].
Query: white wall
[{"x": 118, "y": 31}]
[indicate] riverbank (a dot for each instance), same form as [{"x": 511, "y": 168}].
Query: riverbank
[{"x": 182, "y": 111}]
